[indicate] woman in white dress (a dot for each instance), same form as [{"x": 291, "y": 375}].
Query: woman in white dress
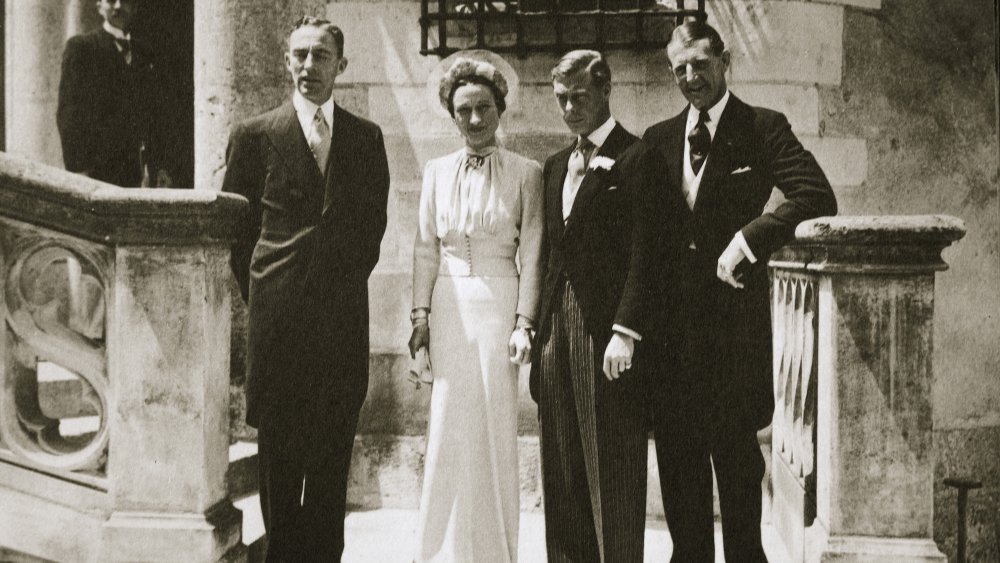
[{"x": 475, "y": 309}]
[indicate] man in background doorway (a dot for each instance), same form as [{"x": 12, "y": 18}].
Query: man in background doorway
[{"x": 108, "y": 109}]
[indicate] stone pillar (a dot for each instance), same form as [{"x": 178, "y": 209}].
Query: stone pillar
[
  {"x": 239, "y": 71},
  {"x": 858, "y": 440},
  {"x": 169, "y": 316},
  {"x": 35, "y": 37}
]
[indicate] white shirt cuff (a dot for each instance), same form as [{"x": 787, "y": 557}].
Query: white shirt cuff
[
  {"x": 627, "y": 332},
  {"x": 745, "y": 247}
]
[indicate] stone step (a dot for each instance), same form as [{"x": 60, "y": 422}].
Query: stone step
[
  {"x": 388, "y": 535},
  {"x": 241, "y": 476}
]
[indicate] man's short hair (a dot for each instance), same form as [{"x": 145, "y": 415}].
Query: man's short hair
[
  {"x": 696, "y": 30},
  {"x": 583, "y": 60},
  {"x": 325, "y": 25}
]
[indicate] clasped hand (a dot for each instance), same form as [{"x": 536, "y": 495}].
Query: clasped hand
[
  {"x": 519, "y": 346},
  {"x": 618, "y": 356}
]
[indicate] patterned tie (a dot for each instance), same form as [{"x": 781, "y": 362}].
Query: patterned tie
[
  {"x": 125, "y": 48},
  {"x": 576, "y": 168},
  {"x": 319, "y": 140},
  {"x": 699, "y": 140}
]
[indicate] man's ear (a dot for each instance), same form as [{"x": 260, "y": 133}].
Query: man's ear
[
  {"x": 726, "y": 59},
  {"x": 341, "y": 66}
]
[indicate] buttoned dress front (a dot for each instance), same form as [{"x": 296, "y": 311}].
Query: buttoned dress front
[{"x": 476, "y": 265}]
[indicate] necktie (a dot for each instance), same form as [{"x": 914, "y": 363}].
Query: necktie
[
  {"x": 576, "y": 168},
  {"x": 125, "y": 48},
  {"x": 699, "y": 140},
  {"x": 475, "y": 160},
  {"x": 319, "y": 140}
]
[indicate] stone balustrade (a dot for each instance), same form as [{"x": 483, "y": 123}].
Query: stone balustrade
[
  {"x": 852, "y": 449},
  {"x": 114, "y": 378}
]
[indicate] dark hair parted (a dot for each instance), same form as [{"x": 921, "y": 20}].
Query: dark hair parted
[
  {"x": 467, "y": 71},
  {"x": 694, "y": 30},
  {"x": 583, "y": 60},
  {"x": 325, "y": 25}
]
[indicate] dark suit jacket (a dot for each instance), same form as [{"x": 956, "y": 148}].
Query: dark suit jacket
[
  {"x": 728, "y": 329},
  {"x": 304, "y": 258},
  {"x": 109, "y": 110},
  {"x": 591, "y": 249}
]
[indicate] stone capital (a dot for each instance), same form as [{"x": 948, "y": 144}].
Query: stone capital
[{"x": 870, "y": 245}]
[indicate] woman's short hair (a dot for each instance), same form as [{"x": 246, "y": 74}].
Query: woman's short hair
[
  {"x": 583, "y": 60},
  {"x": 467, "y": 71}
]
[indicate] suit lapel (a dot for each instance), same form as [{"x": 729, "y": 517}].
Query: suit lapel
[
  {"x": 343, "y": 134},
  {"x": 553, "y": 192},
  {"x": 673, "y": 151},
  {"x": 732, "y": 128},
  {"x": 286, "y": 136},
  {"x": 590, "y": 186}
]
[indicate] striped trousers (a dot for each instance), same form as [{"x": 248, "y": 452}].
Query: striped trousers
[{"x": 593, "y": 443}]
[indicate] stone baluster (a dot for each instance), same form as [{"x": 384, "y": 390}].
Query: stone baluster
[{"x": 853, "y": 319}]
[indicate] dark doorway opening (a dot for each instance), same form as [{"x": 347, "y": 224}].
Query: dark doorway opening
[{"x": 169, "y": 29}]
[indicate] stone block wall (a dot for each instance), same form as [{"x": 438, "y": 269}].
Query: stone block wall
[{"x": 919, "y": 87}]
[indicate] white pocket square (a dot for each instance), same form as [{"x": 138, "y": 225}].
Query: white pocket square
[
  {"x": 741, "y": 170},
  {"x": 612, "y": 188}
]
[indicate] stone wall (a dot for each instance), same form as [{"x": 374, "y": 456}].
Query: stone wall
[{"x": 919, "y": 86}]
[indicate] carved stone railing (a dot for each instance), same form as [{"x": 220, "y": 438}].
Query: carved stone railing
[
  {"x": 852, "y": 450},
  {"x": 114, "y": 369}
]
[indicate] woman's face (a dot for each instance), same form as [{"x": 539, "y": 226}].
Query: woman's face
[{"x": 476, "y": 115}]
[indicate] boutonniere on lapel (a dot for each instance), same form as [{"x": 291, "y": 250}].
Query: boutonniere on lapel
[
  {"x": 601, "y": 164},
  {"x": 604, "y": 169}
]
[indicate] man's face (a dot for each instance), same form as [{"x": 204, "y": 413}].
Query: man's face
[
  {"x": 314, "y": 63},
  {"x": 700, "y": 74},
  {"x": 584, "y": 106},
  {"x": 118, "y": 13}
]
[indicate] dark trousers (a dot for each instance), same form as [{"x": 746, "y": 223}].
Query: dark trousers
[
  {"x": 303, "y": 483},
  {"x": 711, "y": 395},
  {"x": 593, "y": 444},
  {"x": 685, "y": 468}
]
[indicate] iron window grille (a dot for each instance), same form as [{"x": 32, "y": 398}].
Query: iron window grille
[{"x": 554, "y": 26}]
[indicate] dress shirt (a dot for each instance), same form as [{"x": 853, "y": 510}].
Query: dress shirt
[
  {"x": 119, "y": 35},
  {"x": 692, "y": 181},
  {"x": 597, "y": 137},
  {"x": 305, "y": 110},
  {"x": 115, "y": 32}
]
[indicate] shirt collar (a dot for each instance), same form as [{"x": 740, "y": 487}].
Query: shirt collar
[
  {"x": 115, "y": 32},
  {"x": 714, "y": 114},
  {"x": 306, "y": 110},
  {"x": 600, "y": 135}
]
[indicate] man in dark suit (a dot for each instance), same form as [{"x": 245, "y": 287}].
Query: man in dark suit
[
  {"x": 593, "y": 439},
  {"x": 108, "y": 110},
  {"x": 317, "y": 180},
  {"x": 707, "y": 176}
]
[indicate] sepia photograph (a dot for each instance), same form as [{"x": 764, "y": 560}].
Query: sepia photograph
[{"x": 500, "y": 281}]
